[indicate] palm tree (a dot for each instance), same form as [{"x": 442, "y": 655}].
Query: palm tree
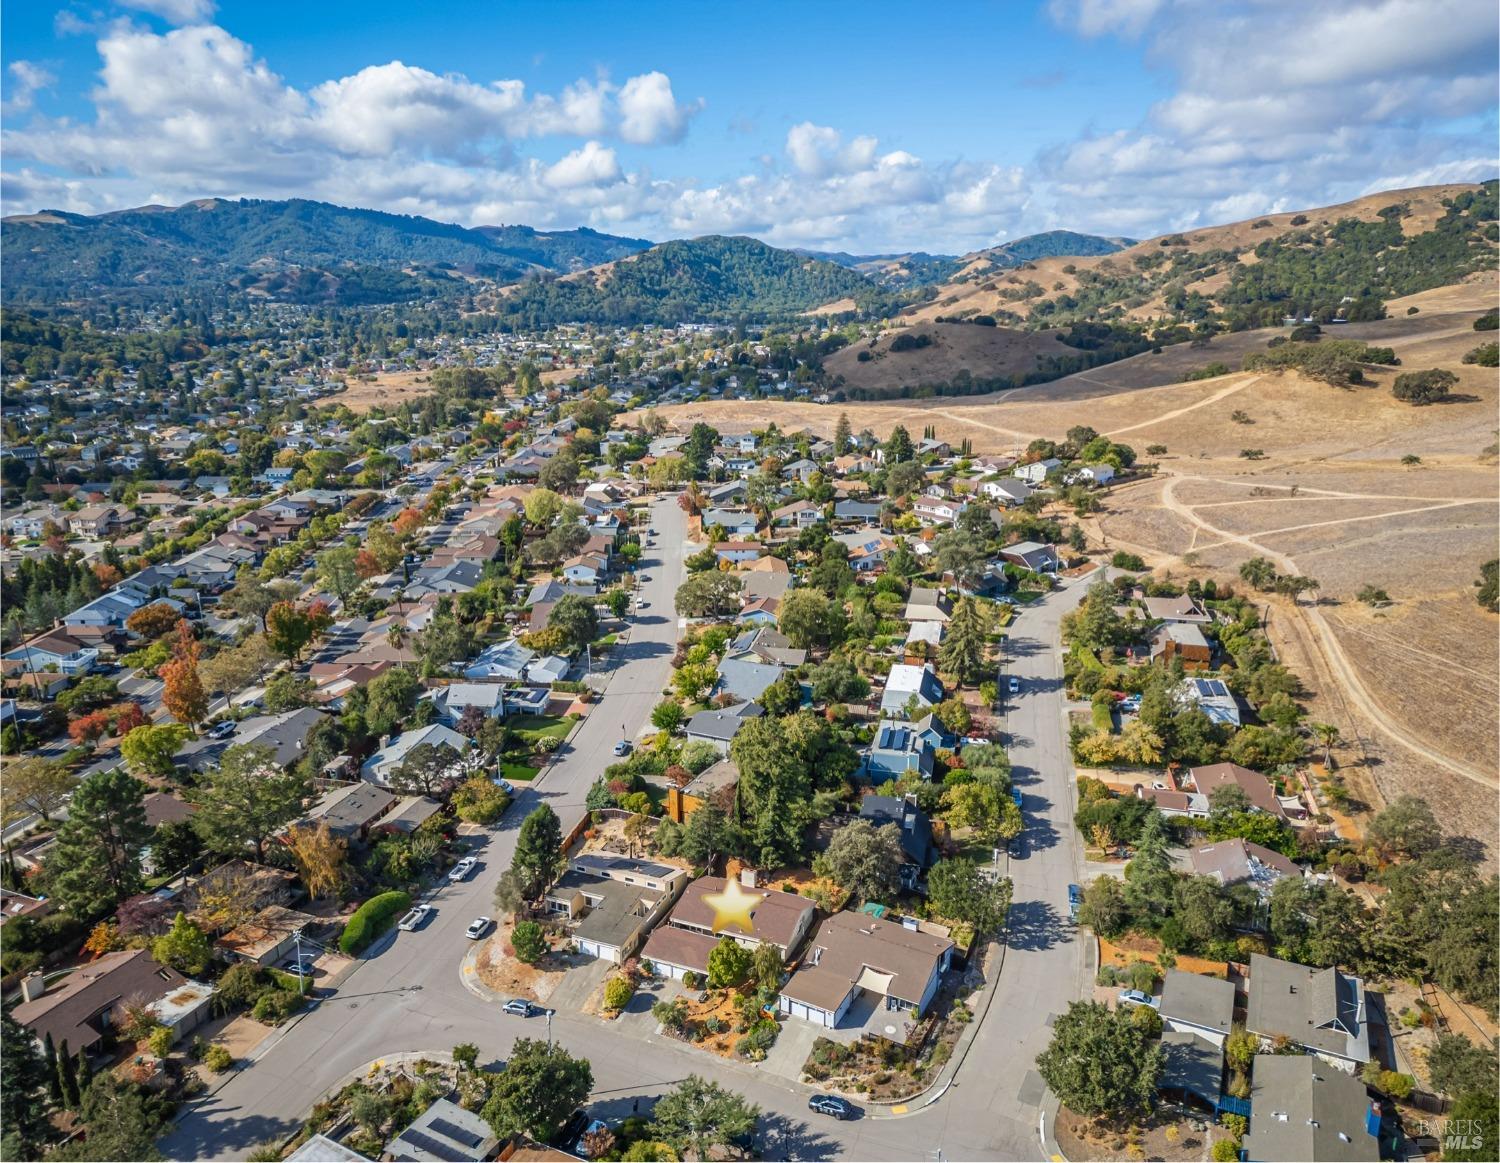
[{"x": 1327, "y": 735}]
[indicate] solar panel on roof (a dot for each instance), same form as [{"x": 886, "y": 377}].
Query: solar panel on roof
[
  {"x": 457, "y": 1133},
  {"x": 427, "y": 1145}
]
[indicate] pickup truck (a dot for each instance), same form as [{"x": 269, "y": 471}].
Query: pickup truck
[{"x": 414, "y": 919}]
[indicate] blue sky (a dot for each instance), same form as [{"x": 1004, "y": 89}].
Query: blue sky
[{"x": 867, "y": 127}]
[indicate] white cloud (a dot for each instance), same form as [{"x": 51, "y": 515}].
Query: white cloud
[
  {"x": 649, "y": 114},
  {"x": 818, "y": 151},
  {"x": 174, "y": 11},
  {"x": 1101, "y": 17},
  {"x": 26, "y": 79},
  {"x": 591, "y": 165}
]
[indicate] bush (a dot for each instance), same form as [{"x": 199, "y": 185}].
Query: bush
[
  {"x": 692, "y": 980},
  {"x": 761, "y": 1037},
  {"x": 218, "y": 1059},
  {"x": 274, "y": 1006},
  {"x": 1486, "y": 355},
  {"x": 1130, "y": 561},
  {"x": 528, "y": 942},
  {"x": 160, "y": 1041},
  {"x": 618, "y": 992},
  {"x": 371, "y": 919},
  {"x": 1226, "y": 1151},
  {"x": 1489, "y": 321}
]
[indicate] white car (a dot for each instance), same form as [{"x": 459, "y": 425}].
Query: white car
[
  {"x": 478, "y": 929},
  {"x": 1014, "y": 686},
  {"x": 414, "y": 919},
  {"x": 461, "y": 870}
]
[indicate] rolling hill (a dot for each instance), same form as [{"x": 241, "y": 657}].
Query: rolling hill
[
  {"x": 714, "y": 279},
  {"x": 294, "y": 249}
]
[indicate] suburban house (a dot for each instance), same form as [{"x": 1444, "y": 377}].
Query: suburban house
[
  {"x": 285, "y": 734},
  {"x": 1322, "y": 1010},
  {"x": 109, "y": 609},
  {"x": 1031, "y": 555},
  {"x": 382, "y": 765},
  {"x": 56, "y": 650},
  {"x": 1211, "y": 696},
  {"x": 266, "y": 937},
  {"x": 80, "y": 1011},
  {"x": 1191, "y": 1066},
  {"x": 1199, "y": 1005},
  {"x": 854, "y": 954},
  {"x": 444, "y": 1131},
  {"x": 1182, "y": 608},
  {"x": 1257, "y": 788},
  {"x": 907, "y": 682},
  {"x": 350, "y": 810},
  {"x": 745, "y": 676},
  {"x": 896, "y": 749},
  {"x": 857, "y": 512},
  {"x": 938, "y": 510},
  {"x": 453, "y": 700},
  {"x": 1037, "y": 471},
  {"x": 683, "y": 943},
  {"x": 927, "y": 605},
  {"x": 1299, "y": 1110},
  {"x": 736, "y": 522},
  {"x": 1090, "y": 474},
  {"x": 719, "y": 726},
  {"x": 737, "y": 552},
  {"x": 916, "y": 833},
  {"x": 799, "y": 514},
  {"x": 1241, "y": 861},
  {"x": 611, "y": 901},
  {"x": 1181, "y": 642},
  {"x": 1006, "y": 491},
  {"x": 585, "y": 569},
  {"x": 506, "y": 661},
  {"x": 711, "y": 784}
]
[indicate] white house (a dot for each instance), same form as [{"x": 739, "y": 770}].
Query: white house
[
  {"x": 1090, "y": 474},
  {"x": 1006, "y": 490},
  {"x": 1037, "y": 471},
  {"x": 502, "y": 660},
  {"x": 453, "y": 700},
  {"x": 380, "y": 766}
]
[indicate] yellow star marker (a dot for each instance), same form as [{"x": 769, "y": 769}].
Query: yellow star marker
[{"x": 732, "y": 907}]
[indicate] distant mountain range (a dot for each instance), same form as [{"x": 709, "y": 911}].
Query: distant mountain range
[{"x": 293, "y": 249}]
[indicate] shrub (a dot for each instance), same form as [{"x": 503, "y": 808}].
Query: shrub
[
  {"x": 1130, "y": 561},
  {"x": 218, "y": 1059},
  {"x": 1486, "y": 355},
  {"x": 1226, "y": 1151},
  {"x": 761, "y": 1037},
  {"x": 617, "y": 993},
  {"x": 692, "y": 980},
  {"x": 274, "y": 1007},
  {"x": 160, "y": 1041},
  {"x": 371, "y": 919},
  {"x": 1489, "y": 321},
  {"x": 528, "y": 942}
]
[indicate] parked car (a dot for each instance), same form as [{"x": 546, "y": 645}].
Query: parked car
[
  {"x": 414, "y": 919},
  {"x": 643, "y": 605},
  {"x": 221, "y": 730},
  {"x": 520, "y": 1008},
  {"x": 832, "y": 1104},
  {"x": 478, "y": 928},
  {"x": 1013, "y": 685},
  {"x": 1135, "y": 997},
  {"x": 299, "y": 968},
  {"x": 622, "y": 747},
  {"x": 505, "y": 786},
  {"x": 461, "y": 870}
]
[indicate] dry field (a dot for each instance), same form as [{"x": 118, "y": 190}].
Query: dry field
[
  {"x": 956, "y": 347},
  {"x": 385, "y": 390},
  {"x": 1413, "y": 686}
]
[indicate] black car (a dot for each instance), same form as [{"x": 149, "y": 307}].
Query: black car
[{"x": 832, "y": 1104}]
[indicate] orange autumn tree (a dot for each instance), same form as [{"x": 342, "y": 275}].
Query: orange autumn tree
[{"x": 182, "y": 690}]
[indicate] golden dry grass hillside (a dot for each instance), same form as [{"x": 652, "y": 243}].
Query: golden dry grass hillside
[
  {"x": 952, "y": 348},
  {"x": 981, "y": 287},
  {"x": 1414, "y": 685}
]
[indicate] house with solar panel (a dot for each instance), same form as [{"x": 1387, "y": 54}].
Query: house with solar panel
[
  {"x": 1210, "y": 695},
  {"x": 447, "y": 1132},
  {"x": 896, "y": 749}
]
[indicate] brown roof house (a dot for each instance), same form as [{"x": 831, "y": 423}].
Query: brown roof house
[
  {"x": 80, "y": 1010},
  {"x": 685, "y": 941},
  {"x": 1257, "y": 788},
  {"x": 890, "y": 968},
  {"x": 610, "y": 901}
]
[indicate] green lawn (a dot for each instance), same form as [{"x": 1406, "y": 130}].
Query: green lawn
[
  {"x": 517, "y": 772},
  {"x": 1021, "y": 597},
  {"x": 532, "y": 727}
]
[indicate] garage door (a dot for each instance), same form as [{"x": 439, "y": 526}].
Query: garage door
[
  {"x": 675, "y": 972},
  {"x": 809, "y": 1013},
  {"x": 589, "y": 948}
]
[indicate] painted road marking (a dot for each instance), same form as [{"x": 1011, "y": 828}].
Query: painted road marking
[{"x": 899, "y": 1110}]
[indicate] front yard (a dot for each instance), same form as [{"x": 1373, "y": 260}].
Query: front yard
[
  {"x": 500, "y": 970},
  {"x": 1168, "y": 1133}
]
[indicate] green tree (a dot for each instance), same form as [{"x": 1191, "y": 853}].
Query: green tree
[
  {"x": 150, "y": 747},
  {"x": 537, "y": 1091},
  {"x": 782, "y": 763},
  {"x": 1099, "y": 1062},
  {"x": 23, "y": 1083},
  {"x": 898, "y": 446},
  {"x": 706, "y": 594},
  {"x": 866, "y": 860},
  {"x": 97, "y": 859},
  {"x": 390, "y": 700},
  {"x": 529, "y": 942},
  {"x": 706, "y": 835},
  {"x": 729, "y": 963},
  {"x": 185, "y": 947},
  {"x": 33, "y": 784},
  {"x": 808, "y": 618},
  {"x": 1459, "y": 1067},
  {"x": 1405, "y": 827},
  {"x": 338, "y": 572},
  {"x": 985, "y": 808},
  {"x": 958, "y": 891},
  {"x": 963, "y": 649},
  {"x": 842, "y": 435},
  {"x": 767, "y": 965},
  {"x": 247, "y": 800},
  {"x": 1103, "y": 908},
  {"x": 122, "y": 1123},
  {"x": 538, "y": 852},
  {"x": 697, "y": 1116},
  {"x": 1425, "y": 387},
  {"x": 1479, "y": 1112},
  {"x": 667, "y": 715},
  {"x": 576, "y": 617}
]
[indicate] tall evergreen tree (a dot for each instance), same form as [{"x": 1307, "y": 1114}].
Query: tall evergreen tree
[
  {"x": 67, "y": 1077},
  {"x": 842, "y": 434},
  {"x": 962, "y": 652},
  {"x": 538, "y": 852},
  {"x": 97, "y": 859},
  {"x": 23, "y": 1110},
  {"x": 49, "y": 1064}
]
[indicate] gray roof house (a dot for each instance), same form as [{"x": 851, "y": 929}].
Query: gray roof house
[
  {"x": 1031, "y": 555},
  {"x": 1321, "y": 1010},
  {"x": 719, "y": 727},
  {"x": 446, "y": 1133},
  {"x": 285, "y": 734},
  {"x": 378, "y": 768},
  {"x": 1191, "y": 1064},
  {"x": 905, "y": 682},
  {"x": 1302, "y": 1110},
  {"x": 927, "y": 605},
  {"x": 746, "y": 677},
  {"x": 1198, "y": 1005}
]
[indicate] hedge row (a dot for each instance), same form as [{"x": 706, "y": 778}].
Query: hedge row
[{"x": 372, "y": 919}]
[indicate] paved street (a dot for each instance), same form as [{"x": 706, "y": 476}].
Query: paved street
[{"x": 409, "y": 996}]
